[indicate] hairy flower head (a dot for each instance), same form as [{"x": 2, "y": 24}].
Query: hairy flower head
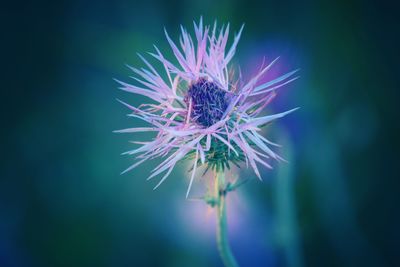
[{"x": 201, "y": 110}]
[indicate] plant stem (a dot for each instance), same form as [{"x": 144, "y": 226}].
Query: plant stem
[{"x": 222, "y": 225}]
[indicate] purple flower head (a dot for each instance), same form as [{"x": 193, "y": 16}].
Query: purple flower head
[
  {"x": 208, "y": 102},
  {"x": 202, "y": 110}
]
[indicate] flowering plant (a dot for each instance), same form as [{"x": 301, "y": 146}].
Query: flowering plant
[{"x": 202, "y": 111}]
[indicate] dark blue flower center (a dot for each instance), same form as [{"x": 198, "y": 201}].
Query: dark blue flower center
[{"x": 209, "y": 102}]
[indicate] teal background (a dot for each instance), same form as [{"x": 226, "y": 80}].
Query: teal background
[{"x": 63, "y": 202}]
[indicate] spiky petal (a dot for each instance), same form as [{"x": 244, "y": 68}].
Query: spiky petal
[{"x": 199, "y": 111}]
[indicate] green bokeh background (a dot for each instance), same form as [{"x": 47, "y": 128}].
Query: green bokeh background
[{"x": 63, "y": 202}]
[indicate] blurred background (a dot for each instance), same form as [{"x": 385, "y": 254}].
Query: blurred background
[{"x": 64, "y": 203}]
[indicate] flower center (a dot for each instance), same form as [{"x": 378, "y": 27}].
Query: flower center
[{"x": 208, "y": 102}]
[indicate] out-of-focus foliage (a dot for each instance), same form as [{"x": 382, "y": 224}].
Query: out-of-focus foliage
[{"x": 63, "y": 202}]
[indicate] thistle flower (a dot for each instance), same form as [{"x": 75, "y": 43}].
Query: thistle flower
[{"x": 200, "y": 109}]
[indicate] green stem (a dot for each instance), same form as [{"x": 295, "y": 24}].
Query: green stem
[{"x": 222, "y": 226}]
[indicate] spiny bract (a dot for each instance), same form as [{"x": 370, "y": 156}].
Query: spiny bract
[{"x": 200, "y": 110}]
